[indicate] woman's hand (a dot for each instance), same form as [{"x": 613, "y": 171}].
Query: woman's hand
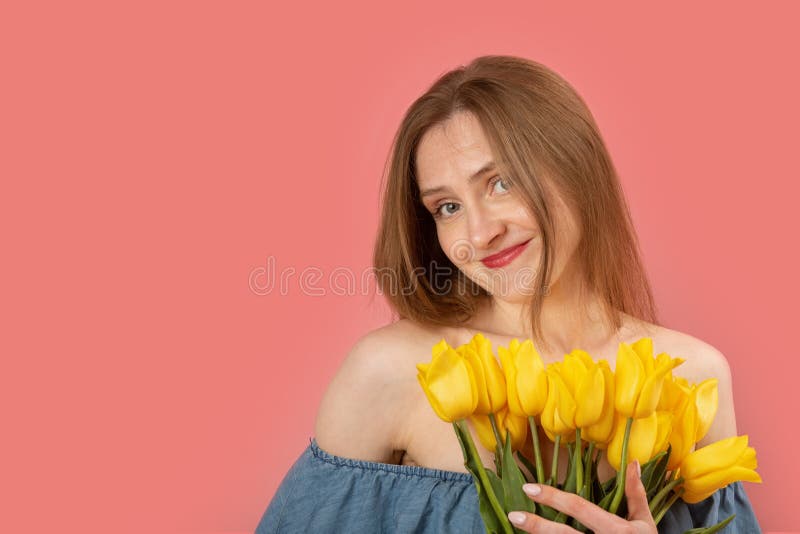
[{"x": 639, "y": 521}]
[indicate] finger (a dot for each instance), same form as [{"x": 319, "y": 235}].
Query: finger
[
  {"x": 537, "y": 524},
  {"x": 636, "y": 495},
  {"x": 588, "y": 513}
]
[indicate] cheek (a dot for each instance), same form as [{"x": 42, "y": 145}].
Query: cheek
[
  {"x": 458, "y": 249},
  {"x": 523, "y": 217},
  {"x": 446, "y": 243}
]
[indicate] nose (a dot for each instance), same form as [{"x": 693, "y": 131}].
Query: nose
[{"x": 484, "y": 226}]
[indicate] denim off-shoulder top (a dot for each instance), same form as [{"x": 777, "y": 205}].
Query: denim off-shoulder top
[{"x": 324, "y": 493}]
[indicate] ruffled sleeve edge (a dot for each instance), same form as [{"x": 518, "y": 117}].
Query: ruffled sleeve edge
[{"x": 403, "y": 470}]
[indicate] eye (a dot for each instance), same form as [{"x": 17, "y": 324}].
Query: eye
[
  {"x": 504, "y": 185},
  {"x": 442, "y": 212}
]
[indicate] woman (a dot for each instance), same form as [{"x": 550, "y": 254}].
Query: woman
[{"x": 502, "y": 215}]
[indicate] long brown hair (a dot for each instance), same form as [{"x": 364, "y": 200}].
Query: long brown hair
[{"x": 537, "y": 126}]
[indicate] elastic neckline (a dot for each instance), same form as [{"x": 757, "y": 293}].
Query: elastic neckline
[{"x": 408, "y": 470}]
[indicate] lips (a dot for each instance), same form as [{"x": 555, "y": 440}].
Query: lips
[{"x": 504, "y": 257}]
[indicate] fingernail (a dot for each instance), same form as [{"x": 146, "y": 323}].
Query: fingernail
[
  {"x": 532, "y": 489},
  {"x": 638, "y": 468},
  {"x": 518, "y": 518}
]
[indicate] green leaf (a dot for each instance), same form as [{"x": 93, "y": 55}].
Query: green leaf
[
  {"x": 546, "y": 512},
  {"x": 497, "y": 487},
  {"x": 572, "y": 476},
  {"x": 605, "y": 502},
  {"x": 657, "y": 478},
  {"x": 649, "y": 467},
  {"x": 528, "y": 465},
  {"x": 512, "y": 479},
  {"x": 711, "y": 530},
  {"x": 493, "y": 523}
]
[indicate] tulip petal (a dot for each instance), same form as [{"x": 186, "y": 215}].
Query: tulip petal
[
  {"x": 433, "y": 401},
  {"x": 589, "y": 397},
  {"x": 714, "y": 457},
  {"x": 707, "y": 402},
  {"x": 614, "y": 451},
  {"x": 629, "y": 378},
  {"x": 644, "y": 433},
  {"x": 547, "y": 418},
  {"x": 748, "y": 459},
  {"x": 483, "y": 427},
  {"x": 565, "y": 405},
  {"x": 644, "y": 349},
  {"x": 449, "y": 384},
  {"x": 495, "y": 378},
  {"x": 572, "y": 372},
  {"x": 651, "y": 389},
  {"x": 439, "y": 348},
  {"x": 708, "y": 484},
  {"x": 484, "y": 406},
  {"x": 518, "y": 426},
  {"x": 601, "y": 432},
  {"x": 684, "y": 429},
  {"x": 510, "y": 372},
  {"x": 664, "y": 429},
  {"x": 531, "y": 380},
  {"x": 584, "y": 357}
]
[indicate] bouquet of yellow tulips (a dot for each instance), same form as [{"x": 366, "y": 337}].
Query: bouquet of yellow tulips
[{"x": 637, "y": 411}]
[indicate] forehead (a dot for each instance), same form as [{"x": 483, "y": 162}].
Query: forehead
[{"x": 451, "y": 151}]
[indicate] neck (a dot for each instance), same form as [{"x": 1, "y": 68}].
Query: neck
[{"x": 569, "y": 319}]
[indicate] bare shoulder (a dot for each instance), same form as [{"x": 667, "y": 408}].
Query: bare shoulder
[
  {"x": 702, "y": 361},
  {"x": 362, "y": 413}
]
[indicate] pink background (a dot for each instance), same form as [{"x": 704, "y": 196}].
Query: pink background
[{"x": 153, "y": 156}]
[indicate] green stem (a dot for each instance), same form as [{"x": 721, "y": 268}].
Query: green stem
[
  {"x": 667, "y": 506},
  {"x": 487, "y": 485},
  {"x": 590, "y": 463},
  {"x": 554, "y": 467},
  {"x": 622, "y": 468},
  {"x": 498, "y": 444},
  {"x": 578, "y": 459},
  {"x": 661, "y": 495},
  {"x": 536, "y": 450}
]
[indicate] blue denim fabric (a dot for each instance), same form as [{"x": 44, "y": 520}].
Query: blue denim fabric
[{"x": 327, "y": 493}]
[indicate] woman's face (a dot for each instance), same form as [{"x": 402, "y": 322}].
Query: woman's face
[{"x": 482, "y": 224}]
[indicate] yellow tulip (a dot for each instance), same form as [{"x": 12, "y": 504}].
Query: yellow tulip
[
  {"x": 489, "y": 377},
  {"x": 641, "y": 443},
  {"x": 673, "y": 393},
  {"x": 639, "y": 378},
  {"x": 516, "y": 425},
  {"x": 449, "y": 384},
  {"x": 589, "y": 389},
  {"x": 526, "y": 381},
  {"x": 715, "y": 466},
  {"x": 707, "y": 402},
  {"x": 629, "y": 379},
  {"x": 601, "y": 431},
  {"x": 670, "y": 395},
  {"x": 684, "y": 429},
  {"x": 566, "y": 407},
  {"x": 664, "y": 430},
  {"x": 696, "y": 407},
  {"x": 551, "y": 420}
]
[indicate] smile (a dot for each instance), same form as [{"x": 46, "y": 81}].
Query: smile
[{"x": 504, "y": 257}]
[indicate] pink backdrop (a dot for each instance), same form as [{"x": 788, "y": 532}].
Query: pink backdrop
[{"x": 156, "y": 157}]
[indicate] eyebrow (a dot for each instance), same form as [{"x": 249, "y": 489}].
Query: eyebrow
[{"x": 489, "y": 166}]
